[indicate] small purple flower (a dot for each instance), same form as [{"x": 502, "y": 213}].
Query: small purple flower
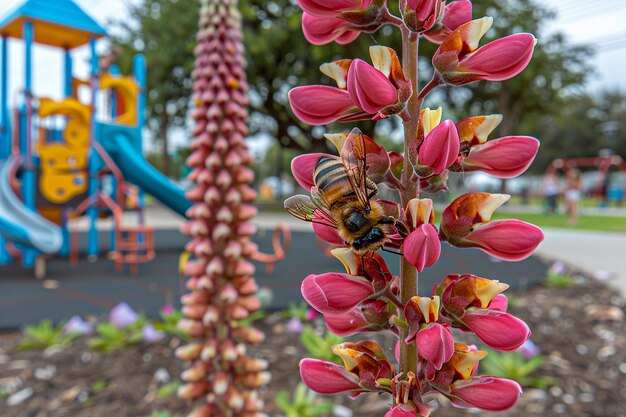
[
  {"x": 529, "y": 350},
  {"x": 77, "y": 325},
  {"x": 558, "y": 268},
  {"x": 294, "y": 325},
  {"x": 122, "y": 316},
  {"x": 150, "y": 334}
]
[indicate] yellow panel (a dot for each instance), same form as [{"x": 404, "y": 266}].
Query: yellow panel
[
  {"x": 59, "y": 187},
  {"x": 64, "y": 164},
  {"x": 127, "y": 89},
  {"x": 76, "y": 132}
]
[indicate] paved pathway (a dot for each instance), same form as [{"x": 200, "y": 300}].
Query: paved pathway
[
  {"x": 95, "y": 288},
  {"x": 602, "y": 254}
]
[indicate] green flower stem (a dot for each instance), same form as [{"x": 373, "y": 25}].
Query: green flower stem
[{"x": 408, "y": 273}]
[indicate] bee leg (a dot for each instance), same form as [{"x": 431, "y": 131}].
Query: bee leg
[
  {"x": 387, "y": 220},
  {"x": 401, "y": 227},
  {"x": 363, "y": 263}
]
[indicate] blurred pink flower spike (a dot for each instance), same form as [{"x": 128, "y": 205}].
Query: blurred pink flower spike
[
  {"x": 369, "y": 88},
  {"x": 327, "y": 377},
  {"x": 505, "y": 157},
  {"x": 334, "y": 292},
  {"x": 465, "y": 223},
  {"x": 150, "y": 334},
  {"x": 323, "y": 30},
  {"x": 122, "y": 316},
  {"x": 303, "y": 166},
  {"x": 440, "y": 148},
  {"x": 497, "y": 329},
  {"x": 485, "y": 392},
  {"x": 330, "y": 8},
  {"x": 455, "y": 14},
  {"x": 435, "y": 344},
  {"x": 422, "y": 247},
  {"x": 320, "y": 104},
  {"x": 459, "y": 61},
  {"x": 421, "y": 15},
  {"x": 77, "y": 325}
]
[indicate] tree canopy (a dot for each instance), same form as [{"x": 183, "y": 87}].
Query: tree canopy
[
  {"x": 540, "y": 101},
  {"x": 164, "y": 31}
]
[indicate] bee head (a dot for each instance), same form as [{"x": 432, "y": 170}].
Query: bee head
[{"x": 354, "y": 219}]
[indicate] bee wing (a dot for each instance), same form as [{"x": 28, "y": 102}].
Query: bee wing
[
  {"x": 303, "y": 208},
  {"x": 318, "y": 200},
  {"x": 353, "y": 155}
]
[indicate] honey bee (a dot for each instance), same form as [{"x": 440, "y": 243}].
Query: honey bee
[{"x": 342, "y": 199}]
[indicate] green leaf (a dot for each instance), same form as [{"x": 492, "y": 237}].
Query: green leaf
[
  {"x": 282, "y": 401},
  {"x": 168, "y": 390},
  {"x": 321, "y": 409}
]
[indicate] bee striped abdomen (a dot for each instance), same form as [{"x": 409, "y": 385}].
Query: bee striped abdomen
[{"x": 331, "y": 180}]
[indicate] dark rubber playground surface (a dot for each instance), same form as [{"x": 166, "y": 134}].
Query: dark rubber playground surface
[{"x": 94, "y": 288}]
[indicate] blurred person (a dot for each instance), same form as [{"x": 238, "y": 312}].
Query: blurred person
[
  {"x": 572, "y": 195},
  {"x": 551, "y": 191}
]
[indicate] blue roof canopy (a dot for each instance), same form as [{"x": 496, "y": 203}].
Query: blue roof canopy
[{"x": 60, "y": 23}]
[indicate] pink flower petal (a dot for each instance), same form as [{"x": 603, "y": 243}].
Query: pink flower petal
[
  {"x": 402, "y": 410},
  {"x": 334, "y": 292},
  {"x": 422, "y": 8},
  {"x": 457, "y": 13},
  {"x": 303, "y": 166},
  {"x": 510, "y": 240},
  {"x": 328, "y": 234},
  {"x": 323, "y": 30},
  {"x": 422, "y": 247},
  {"x": 486, "y": 392},
  {"x": 327, "y": 377},
  {"x": 496, "y": 329},
  {"x": 346, "y": 324},
  {"x": 320, "y": 104},
  {"x": 501, "y": 59},
  {"x": 440, "y": 148},
  {"x": 347, "y": 37},
  {"x": 369, "y": 88},
  {"x": 505, "y": 157},
  {"x": 435, "y": 344},
  {"x": 327, "y": 8},
  {"x": 499, "y": 303}
]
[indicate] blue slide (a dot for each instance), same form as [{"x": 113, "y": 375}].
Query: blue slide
[
  {"x": 18, "y": 223},
  {"x": 139, "y": 172}
]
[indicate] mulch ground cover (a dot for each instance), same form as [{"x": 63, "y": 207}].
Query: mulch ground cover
[{"x": 580, "y": 330}]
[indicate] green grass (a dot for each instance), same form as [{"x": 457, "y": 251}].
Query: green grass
[{"x": 585, "y": 222}]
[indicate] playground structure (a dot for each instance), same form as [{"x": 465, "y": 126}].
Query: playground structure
[{"x": 60, "y": 160}]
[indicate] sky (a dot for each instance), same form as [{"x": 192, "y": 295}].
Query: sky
[{"x": 599, "y": 23}]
